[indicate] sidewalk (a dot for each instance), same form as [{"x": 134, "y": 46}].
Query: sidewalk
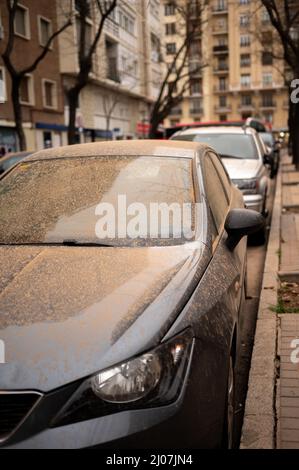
[
  {"x": 288, "y": 383},
  {"x": 271, "y": 417}
]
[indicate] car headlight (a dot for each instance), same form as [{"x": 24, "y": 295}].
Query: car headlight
[
  {"x": 247, "y": 186},
  {"x": 129, "y": 381},
  {"x": 151, "y": 379}
]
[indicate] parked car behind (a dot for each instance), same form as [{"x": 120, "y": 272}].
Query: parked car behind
[
  {"x": 11, "y": 159},
  {"x": 243, "y": 155},
  {"x": 119, "y": 341}
]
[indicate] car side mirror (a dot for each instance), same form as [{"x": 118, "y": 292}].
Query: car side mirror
[
  {"x": 241, "y": 222},
  {"x": 266, "y": 159}
]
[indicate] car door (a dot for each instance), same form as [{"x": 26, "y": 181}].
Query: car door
[{"x": 219, "y": 197}]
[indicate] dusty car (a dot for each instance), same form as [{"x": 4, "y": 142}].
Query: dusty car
[
  {"x": 120, "y": 341},
  {"x": 245, "y": 159}
]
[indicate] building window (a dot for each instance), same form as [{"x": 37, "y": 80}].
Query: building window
[
  {"x": 267, "y": 58},
  {"x": 222, "y": 84},
  {"x": 155, "y": 48},
  {"x": 172, "y": 87},
  {"x": 22, "y": 25},
  {"x": 245, "y": 80},
  {"x": 196, "y": 106},
  {"x": 195, "y": 88},
  {"x": 223, "y": 117},
  {"x": 169, "y": 9},
  {"x": 267, "y": 100},
  {"x": 246, "y": 100},
  {"x": 170, "y": 48},
  {"x": 244, "y": 2},
  {"x": 244, "y": 40},
  {"x": 126, "y": 22},
  {"x": 170, "y": 28},
  {"x": 222, "y": 101},
  {"x": 78, "y": 7},
  {"x": 267, "y": 38},
  {"x": 267, "y": 79},
  {"x": 244, "y": 20},
  {"x": 245, "y": 60},
  {"x": 45, "y": 30},
  {"x": 2, "y": 85},
  {"x": 221, "y": 5},
  {"x": 47, "y": 138},
  {"x": 27, "y": 90},
  {"x": 265, "y": 17},
  {"x": 49, "y": 94}
]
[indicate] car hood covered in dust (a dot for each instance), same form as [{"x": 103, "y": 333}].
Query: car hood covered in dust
[
  {"x": 68, "y": 312},
  {"x": 242, "y": 168}
]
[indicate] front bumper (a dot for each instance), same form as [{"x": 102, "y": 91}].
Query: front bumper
[
  {"x": 254, "y": 202},
  {"x": 192, "y": 421}
]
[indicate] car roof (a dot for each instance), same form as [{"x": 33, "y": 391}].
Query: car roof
[
  {"x": 217, "y": 130},
  {"x": 126, "y": 147}
]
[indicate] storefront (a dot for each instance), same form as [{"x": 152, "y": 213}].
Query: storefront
[
  {"x": 50, "y": 135},
  {"x": 8, "y": 139}
]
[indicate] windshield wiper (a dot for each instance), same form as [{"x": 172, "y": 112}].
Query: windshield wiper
[
  {"x": 63, "y": 243},
  {"x": 223, "y": 155},
  {"x": 70, "y": 242}
]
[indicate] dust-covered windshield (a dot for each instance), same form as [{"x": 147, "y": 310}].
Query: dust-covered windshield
[
  {"x": 234, "y": 145},
  {"x": 77, "y": 200}
]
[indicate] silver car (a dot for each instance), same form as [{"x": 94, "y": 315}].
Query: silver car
[{"x": 243, "y": 155}]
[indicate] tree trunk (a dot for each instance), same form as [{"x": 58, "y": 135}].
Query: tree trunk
[
  {"x": 107, "y": 125},
  {"x": 17, "y": 108},
  {"x": 154, "y": 124},
  {"x": 73, "y": 98}
]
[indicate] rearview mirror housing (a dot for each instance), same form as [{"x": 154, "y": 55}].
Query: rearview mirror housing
[{"x": 240, "y": 223}]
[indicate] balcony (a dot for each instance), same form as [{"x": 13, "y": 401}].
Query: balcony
[
  {"x": 223, "y": 109},
  {"x": 197, "y": 111},
  {"x": 195, "y": 68},
  {"x": 245, "y": 108},
  {"x": 245, "y": 86},
  {"x": 111, "y": 28},
  {"x": 221, "y": 68},
  {"x": 218, "y": 30},
  {"x": 112, "y": 71},
  {"x": 268, "y": 105},
  {"x": 220, "y": 88},
  {"x": 175, "y": 112},
  {"x": 220, "y": 49}
]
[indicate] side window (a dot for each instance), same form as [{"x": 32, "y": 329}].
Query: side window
[
  {"x": 223, "y": 175},
  {"x": 215, "y": 192},
  {"x": 260, "y": 145}
]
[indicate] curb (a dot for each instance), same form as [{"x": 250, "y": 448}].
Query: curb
[{"x": 260, "y": 419}]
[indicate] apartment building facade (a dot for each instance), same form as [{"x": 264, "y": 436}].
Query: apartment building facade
[
  {"x": 126, "y": 72},
  {"x": 124, "y": 82},
  {"x": 241, "y": 78},
  {"x": 41, "y": 90},
  {"x": 174, "y": 29}
]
